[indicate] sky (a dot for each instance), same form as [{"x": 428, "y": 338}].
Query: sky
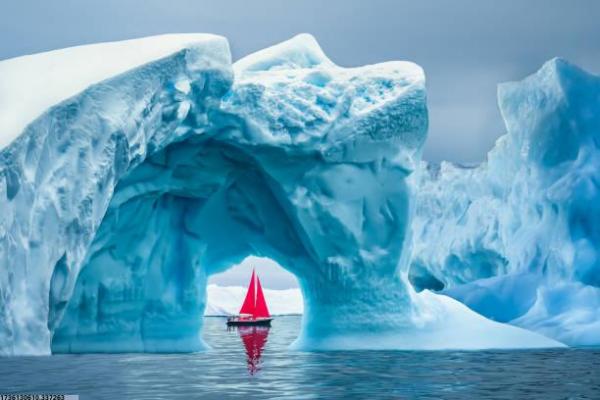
[
  {"x": 466, "y": 47},
  {"x": 271, "y": 274}
]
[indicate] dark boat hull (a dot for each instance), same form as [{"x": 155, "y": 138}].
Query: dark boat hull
[{"x": 249, "y": 322}]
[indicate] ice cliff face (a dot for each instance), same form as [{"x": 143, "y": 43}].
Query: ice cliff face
[
  {"x": 516, "y": 238},
  {"x": 118, "y": 201},
  {"x": 59, "y": 176}
]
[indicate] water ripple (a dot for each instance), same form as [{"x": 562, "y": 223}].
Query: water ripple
[{"x": 223, "y": 372}]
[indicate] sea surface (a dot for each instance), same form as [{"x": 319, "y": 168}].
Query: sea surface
[{"x": 255, "y": 363}]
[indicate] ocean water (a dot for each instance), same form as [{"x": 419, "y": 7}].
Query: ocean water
[{"x": 255, "y": 363}]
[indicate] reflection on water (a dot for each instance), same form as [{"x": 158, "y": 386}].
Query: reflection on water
[
  {"x": 254, "y": 339},
  {"x": 223, "y": 372}
]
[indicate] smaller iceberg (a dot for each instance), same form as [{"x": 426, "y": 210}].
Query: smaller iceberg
[{"x": 517, "y": 238}]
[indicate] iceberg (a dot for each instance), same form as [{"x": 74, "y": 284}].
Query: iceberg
[
  {"x": 122, "y": 192},
  {"x": 516, "y": 238}
]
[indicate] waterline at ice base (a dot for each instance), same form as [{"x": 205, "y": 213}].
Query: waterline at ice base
[{"x": 123, "y": 188}]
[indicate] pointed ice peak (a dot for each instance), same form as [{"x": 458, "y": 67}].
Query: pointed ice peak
[
  {"x": 301, "y": 51},
  {"x": 558, "y": 65},
  {"x": 552, "y": 75},
  {"x": 552, "y": 112}
]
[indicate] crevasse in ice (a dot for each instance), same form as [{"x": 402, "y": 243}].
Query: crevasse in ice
[
  {"x": 141, "y": 180},
  {"x": 517, "y": 238}
]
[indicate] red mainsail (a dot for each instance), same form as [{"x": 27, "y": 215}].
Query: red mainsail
[
  {"x": 248, "y": 305},
  {"x": 254, "y": 303}
]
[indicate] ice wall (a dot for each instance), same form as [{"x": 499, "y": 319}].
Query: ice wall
[
  {"x": 517, "y": 237},
  {"x": 58, "y": 176}
]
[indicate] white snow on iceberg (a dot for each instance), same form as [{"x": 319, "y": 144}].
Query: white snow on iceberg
[{"x": 54, "y": 76}]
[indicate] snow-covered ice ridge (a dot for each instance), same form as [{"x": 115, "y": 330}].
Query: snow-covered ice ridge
[{"x": 122, "y": 192}]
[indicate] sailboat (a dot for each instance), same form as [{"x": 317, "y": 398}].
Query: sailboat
[{"x": 254, "y": 310}]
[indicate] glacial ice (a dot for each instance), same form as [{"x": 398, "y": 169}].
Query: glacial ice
[
  {"x": 516, "y": 238},
  {"x": 121, "y": 198}
]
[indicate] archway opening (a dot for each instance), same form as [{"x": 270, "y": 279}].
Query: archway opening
[
  {"x": 190, "y": 211},
  {"x": 227, "y": 290}
]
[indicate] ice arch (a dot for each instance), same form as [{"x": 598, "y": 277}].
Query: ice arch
[
  {"x": 118, "y": 202},
  {"x": 317, "y": 196}
]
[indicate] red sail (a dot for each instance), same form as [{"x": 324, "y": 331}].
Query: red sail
[
  {"x": 261, "y": 309},
  {"x": 249, "y": 305}
]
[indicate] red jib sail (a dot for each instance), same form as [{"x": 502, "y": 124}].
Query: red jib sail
[
  {"x": 261, "y": 309},
  {"x": 254, "y": 303}
]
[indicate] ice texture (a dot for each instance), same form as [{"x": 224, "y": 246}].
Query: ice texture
[
  {"x": 59, "y": 175},
  {"x": 56, "y": 75},
  {"x": 119, "y": 201},
  {"x": 517, "y": 238}
]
